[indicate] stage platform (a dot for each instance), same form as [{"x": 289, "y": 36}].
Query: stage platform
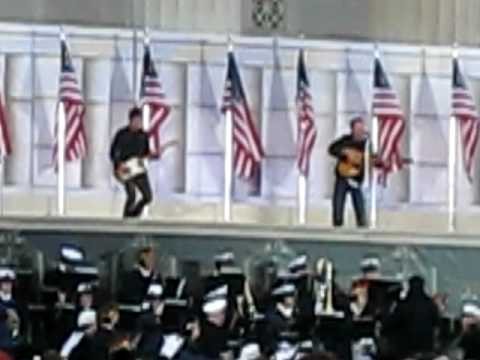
[
  {"x": 309, "y": 233},
  {"x": 449, "y": 261}
]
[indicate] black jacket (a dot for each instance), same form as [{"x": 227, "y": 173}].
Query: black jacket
[
  {"x": 128, "y": 144},
  {"x": 413, "y": 323},
  {"x": 276, "y": 325},
  {"x": 347, "y": 141},
  {"x": 103, "y": 341},
  {"x": 470, "y": 343},
  {"x": 135, "y": 286},
  {"x": 212, "y": 341},
  {"x": 86, "y": 350},
  {"x": 151, "y": 332}
]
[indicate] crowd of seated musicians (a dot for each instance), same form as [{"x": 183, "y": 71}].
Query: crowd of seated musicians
[{"x": 304, "y": 314}]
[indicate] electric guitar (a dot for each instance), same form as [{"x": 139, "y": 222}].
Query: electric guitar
[{"x": 136, "y": 166}]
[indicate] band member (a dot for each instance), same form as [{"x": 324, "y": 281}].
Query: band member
[
  {"x": 107, "y": 332},
  {"x": 470, "y": 335},
  {"x": 214, "y": 332},
  {"x": 370, "y": 266},
  {"x": 9, "y": 318},
  {"x": 349, "y": 150},
  {"x": 281, "y": 317},
  {"x": 150, "y": 329},
  {"x": 411, "y": 328},
  {"x": 129, "y": 143},
  {"x": 137, "y": 281},
  {"x": 305, "y": 297}
]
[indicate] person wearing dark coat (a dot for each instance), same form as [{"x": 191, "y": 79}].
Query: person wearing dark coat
[
  {"x": 131, "y": 142},
  {"x": 213, "y": 335},
  {"x": 136, "y": 282},
  {"x": 107, "y": 332},
  {"x": 357, "y": 140},
  {"x": 149, "y": 327},
  {"x": 280, "y": 318},
  {"x": 305, "y": 299},
  {"x": 412, "y": 325},
  {"x": 81, "y": 345},
  {"x": 9, "y": 313},
  {"x": 470, "y": 338}
]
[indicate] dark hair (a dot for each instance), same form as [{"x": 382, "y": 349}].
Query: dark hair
[
  {"x": 416, "y": 281},
  {"x": 134, "y": 112},
  {"x": 355, "y": 120},
  {"x": 105, "y": 312}
]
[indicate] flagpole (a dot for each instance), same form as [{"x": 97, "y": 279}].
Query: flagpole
[
  {"x": 302, "y": 189},
  {"x": 452, "y": 164},
  {"x": 452, "y": 142},
  {"x": 302, "y": 199},
  {"x": 134, "y": 54},
  {"x": 60, "y": 122},
  {"x": 146, "y": 112},
  {"x": 374, "y": 177},
  {"x": 228, "y": 164}
]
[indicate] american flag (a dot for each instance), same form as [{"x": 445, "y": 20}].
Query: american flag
[
  {"x": 5, "y": 144},
  {"x": 248, "y": 151},
  {"x": 151, "y": 95},
  {"x": 391, "y": 122},
  {"x": 464, "y": 109},
  {"x": 307, "y": 133},
  {"x": 72, "y": 100}
]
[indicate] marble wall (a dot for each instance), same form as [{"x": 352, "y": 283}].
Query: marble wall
[
  {"x": 192, "y": 70},
  {"x": 419, "y": 21}
]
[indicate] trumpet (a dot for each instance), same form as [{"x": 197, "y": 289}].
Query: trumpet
[{"x": 324, "y": 290}]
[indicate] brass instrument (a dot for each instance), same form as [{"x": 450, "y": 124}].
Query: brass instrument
[{"x": 324, "y": 290}]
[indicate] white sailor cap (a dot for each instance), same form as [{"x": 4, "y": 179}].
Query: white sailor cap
[
  {"x": 85, "y": 288},
  {"x": 155, "y": 291},
  {"x": 226, "y": 257},
  {"x": 250, "y": 351},
  {"x": 471, "y": 309},
  {"x": 284, "y": 290},
  {"x": 71, "y": 253},
  {"x": 216, "y": 300},
  {"x": 86, "y": 318},
  {"x": 214, "y": 306},
  {"x": 285, "y": 351},
  {"x": 7, "y": 274},
  {"x": 298, "y": 264},
  {"x": 370, "y": 263}
]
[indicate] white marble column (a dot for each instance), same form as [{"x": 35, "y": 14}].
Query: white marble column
[
  {"x": 96, "y": 170},
  {"x": 19, "y": 105}
]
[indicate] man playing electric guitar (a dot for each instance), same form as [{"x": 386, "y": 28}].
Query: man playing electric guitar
[
  {"x": 349, "y": 172},
  {"x": 128, "y": 153}
]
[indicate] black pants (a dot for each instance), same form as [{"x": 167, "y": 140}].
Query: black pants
[
  {"x": 342, "y": 188},
  {"x": 134, "y": 208}
]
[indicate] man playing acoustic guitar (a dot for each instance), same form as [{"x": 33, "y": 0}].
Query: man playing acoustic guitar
[{"x": 350, "y": 171}]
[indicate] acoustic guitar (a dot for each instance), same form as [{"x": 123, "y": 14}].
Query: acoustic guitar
[
  {"x": 136, "y": 166},
  {"x": 351, "y": 163}
]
